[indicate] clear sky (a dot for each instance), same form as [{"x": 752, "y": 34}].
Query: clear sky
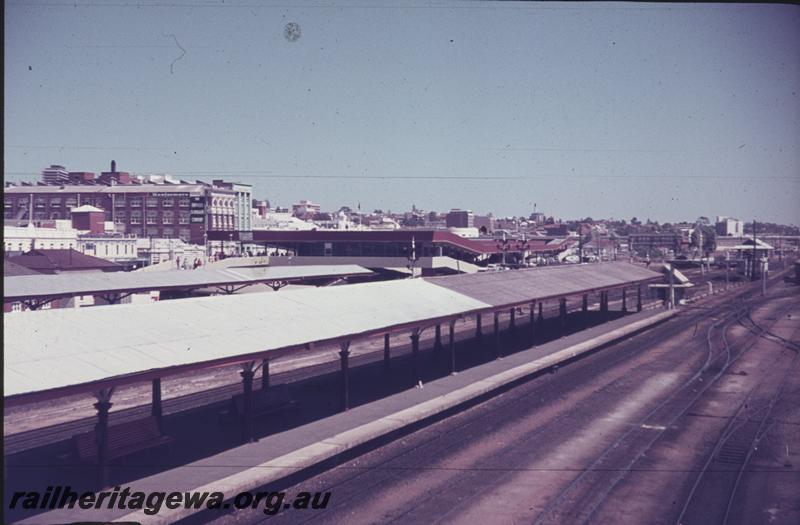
[{"x": 656, "y": 111}]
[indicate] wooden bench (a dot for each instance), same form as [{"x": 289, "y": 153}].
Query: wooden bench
[
  {"x": 123, "y": 439},
  {"x": 274, "y": 399}
]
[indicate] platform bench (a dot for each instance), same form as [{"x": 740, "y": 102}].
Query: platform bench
[{"x": 123, "y": 439}]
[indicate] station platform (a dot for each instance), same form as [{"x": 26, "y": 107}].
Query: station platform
[{"x": 277, "y": 456}]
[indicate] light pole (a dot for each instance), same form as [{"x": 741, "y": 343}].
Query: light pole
[{"x": 412, "y": 257}]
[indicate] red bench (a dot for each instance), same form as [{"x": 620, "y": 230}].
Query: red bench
[{"x": 123, "y": 439}]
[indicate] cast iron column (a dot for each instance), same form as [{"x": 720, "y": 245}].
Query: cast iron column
[
  {"x": 496, "y": 335},
  {"x": 344, "y": 356},
  {"x": 585, "y": 310},
  {"x": 102, "y": 406},
  {"x": 156, "y": 409},
  {"x": 415, "y": 355},
  {"x": 265, "y": 373},
  {"x": 452, "y": 347},
  {"x": 247, "y": 374},
  {"x": 386, "y": 351}
]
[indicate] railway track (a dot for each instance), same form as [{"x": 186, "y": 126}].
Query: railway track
[
  {"x": 579, "y": 501},
  {"x": 738, "y": 441}
]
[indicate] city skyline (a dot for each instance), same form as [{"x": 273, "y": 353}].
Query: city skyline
[{"x": 602, "y": 110}]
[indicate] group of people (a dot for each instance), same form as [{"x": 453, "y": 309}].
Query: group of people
[{"x": 184, "y": 264}]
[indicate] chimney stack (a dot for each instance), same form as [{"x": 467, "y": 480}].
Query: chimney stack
[{"x": 113, "y": 166}]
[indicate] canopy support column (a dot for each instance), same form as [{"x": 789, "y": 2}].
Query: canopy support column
[
  {"x": 415, "y": 333},
  {"x": 103, "y": 406},
  {"x": 496, "y": 335},
  {"x": 512, "y": 324},
  {"x": 541, "y": 314},
  {"x": 452, "y": 347},
  {"x": 156, "y": 409},
  {"x": 562, "y": 315},
  {"x": 639, "y": 298},
  {"x": 533, "y": 322},
  {"x": 585, "y": 310},
  {"x": 604, "y": 305},
  {"x": 625, "y": 300},
  {"x": 344, "y": 357},
  {"x": 478, "y": 327},
  {"x": 386, "y": 352},
  {"x": 265, "y": 373},
  {"x": 247, "y": 373},
  {"x": 437, "y": 343}
]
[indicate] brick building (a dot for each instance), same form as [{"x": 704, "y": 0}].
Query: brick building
[{"x": 185, "y": 211}]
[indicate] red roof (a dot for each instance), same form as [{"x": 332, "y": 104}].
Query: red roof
[
  {"x": 480, "y": 246},
  {"x": 51, "y": 261}
]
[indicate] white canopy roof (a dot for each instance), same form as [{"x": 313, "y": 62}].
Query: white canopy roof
[
  {"x": 53, "y": 349},
  {"x": 61, "y": 351},
  {"x": 86, "y": 283}
]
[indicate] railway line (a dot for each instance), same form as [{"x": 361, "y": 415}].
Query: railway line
[{"x": 563, "y": 448}]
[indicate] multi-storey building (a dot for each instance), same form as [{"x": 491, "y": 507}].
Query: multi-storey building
[
  {"x": 460, "y": 219},
  {"x": 185, "y": 211},
  {"x": 242, "y": 204}
]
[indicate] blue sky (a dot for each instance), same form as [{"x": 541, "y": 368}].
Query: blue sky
[{"x": 649, "y": 110}]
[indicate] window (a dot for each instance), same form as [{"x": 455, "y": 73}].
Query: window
[
  {"x": 136, "y": 217},
  {"x": 106, "y": 247},
  {"x": 167, "y": 217},
  {"x": 167, "y": 202},
  {"x": 21, "y": 203},
  {"x": 8, "y": 204},
  {"x": 136, "y": 202},
  {"x": 38, "y": 216},
  {"x": 119, "y": 217},
  {"x": 55, "y": 202},
  {"x": 16, "y": 306},
  {"x": 46, "y": 306},
  {"x": 40, "y": 202},
  {"x": 183, "y": 218},
  {"x": 184, "y": 234},
  {"x": 152, "y": 217},
  {"x": 152, "y": 232},
  {"x": 183, "y": 202},
  {"x": 88, "y": 246},
  {"x": 120, "y": 202},
  {"x": 117, "y": 247},
  {"x": 152, "y": 202},
  {"x": 168, "y": 232},
  {"x": 71, "y": 202},
  {"x": 55, "y": 216}
]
